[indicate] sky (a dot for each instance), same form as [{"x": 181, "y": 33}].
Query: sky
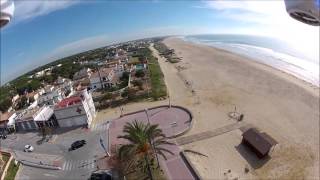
[{"x": 45, "y": 30}]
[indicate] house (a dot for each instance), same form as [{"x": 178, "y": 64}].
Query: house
[
  {"x": 11, "y": 122},
  {"x": 50, "y": 96},
  {"x": 83, "y": 73},
  {"x": 102, "y": 78},
  {"x": 15, "y": 98},
  {"x": 118, "y": 67},
  {"x": 259, "y": 143},
  {"x": 64, "y": 85},
  {"x": 78, "y": 110},
  {"x": 139, "y": 67},
  {"x": 40, "y": 74},
  {"x": 4, "y": 119}
]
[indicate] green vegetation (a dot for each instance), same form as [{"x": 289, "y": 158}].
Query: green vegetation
[
  {"x": 140, "y": 73},
  {"x": 158, "y": 86},
  {"x": 139, "y": 158},
  {"x": 161, "y": 47},
  {"x": 12, "y": 171},
  {"x": 134, "y": 60},
  {"x": 67, "y": 69},
  {"x": 5, "y": 157},
  {"x": 22, "y": 103},
  {"x": 138, "y": 83},
  {"x": 166, "y": 52},
  {"x": 5, "y": 104}
]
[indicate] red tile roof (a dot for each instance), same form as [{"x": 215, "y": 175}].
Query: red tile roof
[{"x": 69, "y": 101}]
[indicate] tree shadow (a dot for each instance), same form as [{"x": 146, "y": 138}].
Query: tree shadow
[
  {"x": 251, "y": 157},
  {"x": 62, "y": 130},
  {"x": 40, "y": 141}
]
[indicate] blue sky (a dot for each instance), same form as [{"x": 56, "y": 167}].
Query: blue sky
[{"x": 42, "y": 31}]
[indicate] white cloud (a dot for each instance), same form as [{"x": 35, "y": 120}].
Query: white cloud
[
  {"x": 79, "y": 46},
  {"x": 28, "y": 9},
  {"x": 268, "y": 18}
]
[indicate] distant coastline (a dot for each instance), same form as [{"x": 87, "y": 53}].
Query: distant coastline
[{"x": 284, "y": 60}]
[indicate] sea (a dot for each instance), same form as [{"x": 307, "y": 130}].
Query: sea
[{"x": 266, "y": 50}]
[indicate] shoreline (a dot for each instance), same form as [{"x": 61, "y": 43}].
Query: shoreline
[
  {"x": 303, "y": 83},
  {"x": 257, "y": 60}
]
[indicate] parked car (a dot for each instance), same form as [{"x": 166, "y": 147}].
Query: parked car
[
  {"x": 77, "y": 144},
  {"x": 28, "y": 148},
  {"x": 101, "y": 175}
]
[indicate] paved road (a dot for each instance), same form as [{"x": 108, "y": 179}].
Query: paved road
[
  {"x": 70, "y": 165},
  {"x": 77, "y": 164}
]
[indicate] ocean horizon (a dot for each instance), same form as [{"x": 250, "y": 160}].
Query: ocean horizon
[{"x": 268, "y": 51}]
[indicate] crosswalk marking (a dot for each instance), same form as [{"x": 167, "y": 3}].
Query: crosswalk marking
[
  {"x": 100, "y": 126},
  {"x": 78, "y": 164},
  {"x": 71, "y": 166},
  {"x": 64, "y": 165},
  {"x": 92, "y": 165}
]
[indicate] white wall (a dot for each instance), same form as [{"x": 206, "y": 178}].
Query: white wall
[
  {"x": 69, "y": 116},
  {"x": 73, "y": 121}
]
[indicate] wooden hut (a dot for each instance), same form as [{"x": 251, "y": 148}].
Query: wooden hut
[{"x": 259, "y": 143}]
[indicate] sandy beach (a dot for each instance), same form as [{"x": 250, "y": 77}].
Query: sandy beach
[{"x": 210, "y": 83}]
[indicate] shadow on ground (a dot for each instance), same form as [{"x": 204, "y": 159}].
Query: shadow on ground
[{"x": 250, "y": 157}]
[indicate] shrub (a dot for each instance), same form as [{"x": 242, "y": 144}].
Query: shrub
[{"x": 140, "y": 73}]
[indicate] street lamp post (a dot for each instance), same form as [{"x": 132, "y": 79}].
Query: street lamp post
[{"x": 121, "y": 111}]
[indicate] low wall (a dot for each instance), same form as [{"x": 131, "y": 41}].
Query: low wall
[
  {"x": 161, "y": 106},
  {"x": 188, "y": 163},
  {"x": 7, "y": 165},
  {"x": 38, "y": 165}
]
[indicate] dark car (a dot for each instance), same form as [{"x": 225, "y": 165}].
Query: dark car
[
  {"x": 101, "y": 176},
  {"x": 77, "y": 144}
]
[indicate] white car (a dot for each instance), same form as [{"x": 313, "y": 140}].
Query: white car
[{"x": 28, "y": 148}]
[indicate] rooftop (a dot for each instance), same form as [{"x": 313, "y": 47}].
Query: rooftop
[
  {"x": 27, "y": 114},
  {"x": 261, "y": 141},
  {"x": 5, "y": 116},
  {"x": 104, "y": 72},
  {"x": 69, "y": 101}
]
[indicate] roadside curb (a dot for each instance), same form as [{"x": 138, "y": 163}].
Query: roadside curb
[
  {"x": 4, "y": 173},
  {"x": 44, "y": 166},
  {"x": 161, "y": 106},
  {"x": 193, "y": 170}
]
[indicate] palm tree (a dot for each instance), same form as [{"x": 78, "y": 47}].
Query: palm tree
[{"x": 145, "y": 141}]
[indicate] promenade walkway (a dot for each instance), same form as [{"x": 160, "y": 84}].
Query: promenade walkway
[
  {"x": 209, "y": 134},
  {"x": 174, "y": 121}
]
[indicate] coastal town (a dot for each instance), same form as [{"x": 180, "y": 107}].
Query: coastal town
[
  {"x": 72, "y": 118},
  {"x": 47, "y": 94}
]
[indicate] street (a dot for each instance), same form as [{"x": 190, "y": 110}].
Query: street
[{"x": 76, "y": 164}]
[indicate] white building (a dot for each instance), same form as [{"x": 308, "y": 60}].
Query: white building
[
  {"x": 50, "y": 96},
  {"x": 83, "y": 73},
  {"x": 77, "y": 110},
  {"x": 15, "y": 98},
  {"x": 34, "y": 119},
  {"x": 102, "y": 78}
]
